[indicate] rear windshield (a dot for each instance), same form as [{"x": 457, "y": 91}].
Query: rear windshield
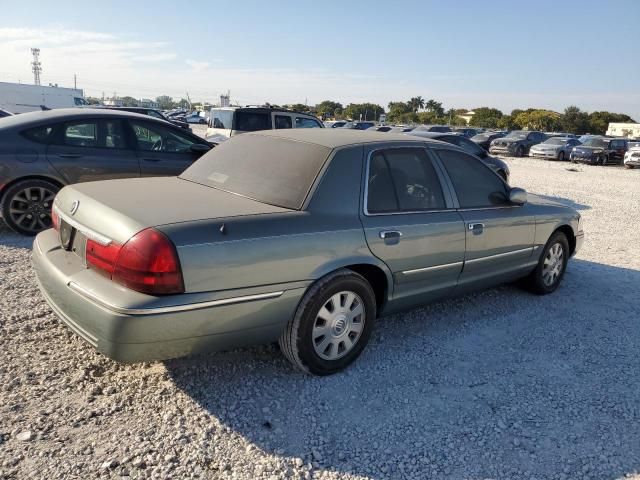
[
  {"x": 252, "y": 121},
  {"x": 221, "y": 118},
  {"x": 270, "y": 170}
]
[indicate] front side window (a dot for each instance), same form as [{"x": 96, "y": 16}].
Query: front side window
[
  {"x": 403, "y": 180},
  {"x": 221, "y": 118},
  {"x": 252, "y": 121},
  {"x": 160, "y": 139},
  {"x": 302, "y": 122},
  {"x": 475, "y": 184},
  {"x": 283, "y": 121},
  {"x": 153, "y": 113}
]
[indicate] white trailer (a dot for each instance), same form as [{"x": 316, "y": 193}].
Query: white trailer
[{"x": 21, "y": 98}]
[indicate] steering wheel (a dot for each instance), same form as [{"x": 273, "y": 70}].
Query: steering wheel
[{"x": 158, "y": 144}]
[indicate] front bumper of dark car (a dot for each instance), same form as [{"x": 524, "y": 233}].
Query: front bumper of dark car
[
  {"x": 509, "y": 149},
  {"x": 583, "y": 158}
]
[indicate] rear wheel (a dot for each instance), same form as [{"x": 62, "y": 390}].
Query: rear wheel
[
  {"x": 602, "y": 160},
  {"x": 551, "y": 266},
  {"x": 26, "y": 206},
  {"x": 332, "y": 324},
  {"x": 626, "y": 165},
  {"x": 520, "y": 151}
]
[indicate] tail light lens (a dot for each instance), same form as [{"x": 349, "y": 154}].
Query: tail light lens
[
  {"x": 147, "y": 262},
  {"x": 55, "y": 218}
]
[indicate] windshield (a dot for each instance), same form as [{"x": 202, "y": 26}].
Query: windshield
[
  {"x": 556, "y": 141},
  {"x": 268, "y": 169},
  {"x": 596, "y": 142},
  {"x": 221, "y": 118},
  {"x": 520, "y": 135}
]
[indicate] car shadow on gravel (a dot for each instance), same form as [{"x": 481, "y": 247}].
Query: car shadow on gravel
[
  {"x": 500, "y": 384},
  {"x": 9, "y": 238}
]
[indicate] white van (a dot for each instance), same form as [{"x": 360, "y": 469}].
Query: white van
[
  {"x": 22, "y": 98},
  {"x": 224, "y": 122}
]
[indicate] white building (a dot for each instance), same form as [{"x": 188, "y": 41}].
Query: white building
[
  {"x": 113, "y": 102},
  {"x": 630, "y": 130}
]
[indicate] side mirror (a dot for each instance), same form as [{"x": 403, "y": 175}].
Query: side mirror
[
  {"x": 518, "y": 196},
  {"x": 200, "y": 148}
]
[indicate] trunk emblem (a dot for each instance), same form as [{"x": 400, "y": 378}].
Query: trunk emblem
[{"x": 74, "y": 207}]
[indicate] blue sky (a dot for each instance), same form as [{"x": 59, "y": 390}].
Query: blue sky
[{"x": 508, "y": 54}]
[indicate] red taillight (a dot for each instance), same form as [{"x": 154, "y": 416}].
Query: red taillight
[
  {"x": 147, "y": 262},
  {"x": 102, "y": 258},
  {"x": 55, "y": 218}
]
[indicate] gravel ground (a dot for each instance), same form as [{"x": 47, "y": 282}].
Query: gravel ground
[{"x": 500, "y": 384}]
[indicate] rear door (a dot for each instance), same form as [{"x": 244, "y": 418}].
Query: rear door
[
  {"x": 618, "y": 149},
  {"x": 410, "y": 224},
  {"x": 163, "y": 150},
  {"x": 499, "y": 235},
  {"x": 92, "y": 149}
]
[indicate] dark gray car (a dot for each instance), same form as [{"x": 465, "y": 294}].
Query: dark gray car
[
  {"x": 40, "y": 152},
  {"x": 516, "y": 143},
  {"x": 497, "y": 165}
]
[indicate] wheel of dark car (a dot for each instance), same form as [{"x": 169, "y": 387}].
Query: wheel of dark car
[
  {"x": 551, "y": 266},
  {"x": 602, "y": 160},
  {"x": 520, "y": 151},
  {"x": 561, "y": 156},
  {"x": 332, "y": 324},
  {"x": 26, "y": 206}
]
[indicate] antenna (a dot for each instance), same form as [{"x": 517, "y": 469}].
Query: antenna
[{"x": 36, "y": 66}]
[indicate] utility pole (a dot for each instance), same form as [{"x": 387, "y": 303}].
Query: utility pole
[
  {"x": 36, "y": 66},
  {"x": 75, "y": 87}
]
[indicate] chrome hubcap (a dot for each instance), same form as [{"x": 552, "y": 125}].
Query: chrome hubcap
[
  {"x": 338, "y": 325},
  {"x": 31, "y": 208},
  {"x": 553, "y": 264}
]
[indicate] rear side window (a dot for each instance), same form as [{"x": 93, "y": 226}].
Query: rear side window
[
  {"x": 38, "y": 134},
  {"x": 403, "y": 180},
  {"x": 84, "y": 134},
  {"x": 302, "y": 122},
  {"x": 283, "y": 121},
  {"x": 93, "y": 134},
  {"x": 475, "y": 184},
  {"x": 252, "y": 121}
]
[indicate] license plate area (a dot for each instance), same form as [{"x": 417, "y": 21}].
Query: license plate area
[{"x": 73, "y": 240}]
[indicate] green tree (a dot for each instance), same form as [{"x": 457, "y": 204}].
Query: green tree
[
  {"x": 508, "y": 122},
  {"x": 298, "y": 107},
  {"x": 416, "y": 103},
  {"x": 575, "y": 121},
  {"x": 129, "y": 102},
  {"x": 183, "y": 103},
  {"x": 93, "y": 100},
  {"x": 486, "y": 117},
  {"x": 599, "y": 121},
  {"x": 328, "y": 108},
  {"x": 397, "y": 110},
  {"x": 165, "y": 102},
  {"x": 544, "y": 120},
  {"x": 368, "y": 111},
  {"x": 434, "y": 107}
]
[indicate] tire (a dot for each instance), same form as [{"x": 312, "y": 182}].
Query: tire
[
  {"x": 546, "y": 278},
  {"x": 332, "y": 329},
  {"x": 602, "y": 160},
  {"x": 520, "y": 151},
  {"x": 630, "y": 167},
  {"x": 26, "y": 206},
  {"x": 561, "y": 156}
]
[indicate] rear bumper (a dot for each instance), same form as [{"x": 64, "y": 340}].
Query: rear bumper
[{"x": 133, "y": 331}]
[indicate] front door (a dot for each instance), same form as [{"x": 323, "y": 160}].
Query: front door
[
  {"x": 499, "y": 235},
  {"x": 92, "y": 149},
  {"x": 163, "y": 150},
  {"x": 410, "y": 225}
]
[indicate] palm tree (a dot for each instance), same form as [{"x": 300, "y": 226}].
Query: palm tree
[{"x": 416, "y": 103}]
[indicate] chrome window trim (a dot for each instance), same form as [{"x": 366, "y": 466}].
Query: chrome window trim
[
  {"x": 435, "y": 268},
  {"x": 87, "y": 232},
  {"x": 172, "y": 308},
  {"x": 419, "y": 146}
]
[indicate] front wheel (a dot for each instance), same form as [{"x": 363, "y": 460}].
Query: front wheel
[
  {"x": 551, "y": 266},
  {"x": 520, "y": 151},
  {"x": 603, "y": 160},
  {"x": 332, "y": 324},
  {"x": 561, "y": 156}
]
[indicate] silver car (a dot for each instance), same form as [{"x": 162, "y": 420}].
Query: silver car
[{"x": 555, "y": 148}]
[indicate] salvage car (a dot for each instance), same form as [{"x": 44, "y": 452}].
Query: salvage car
[
  {"x": 554, "y": 148},
  {"x": 225, "y": 122},
  {"x": 600, "y": 151},
  {"x": 495, "y": 164},
  {"x": 300, "y": 236},
  {"x": 517, "y": 143},
  {"x": 40, "y": 152},
  {"x": 484, "y": 139}
]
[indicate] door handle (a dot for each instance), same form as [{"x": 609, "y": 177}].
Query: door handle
[
  {"x": 69, "y": 155},
  {"x": 390, "y": 234},
  {"x": 476, "y": 228}
]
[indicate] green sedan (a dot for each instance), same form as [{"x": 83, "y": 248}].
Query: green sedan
[{"x": 302, "y": 236}]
